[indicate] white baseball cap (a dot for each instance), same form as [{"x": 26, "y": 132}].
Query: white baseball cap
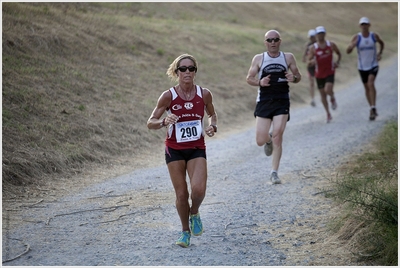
[
  {"x": 320, "y": 29},
  {"x": 364, "y": 20},
  {"x": 311, "y": 32}
]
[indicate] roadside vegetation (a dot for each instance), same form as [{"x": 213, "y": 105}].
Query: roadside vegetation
[{"x": 368, "y": 192}]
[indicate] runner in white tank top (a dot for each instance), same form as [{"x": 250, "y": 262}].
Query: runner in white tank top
[
  {"x": 271, "y": 72},
  {"x": 368, "y": 57}
]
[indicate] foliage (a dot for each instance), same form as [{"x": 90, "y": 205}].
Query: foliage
[{"x": 370, "y": 191}]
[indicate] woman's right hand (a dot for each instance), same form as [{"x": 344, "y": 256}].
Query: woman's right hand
[{"x": 171, "y": 119}]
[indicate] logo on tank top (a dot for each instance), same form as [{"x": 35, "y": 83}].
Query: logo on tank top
[
  {"x": 324, "y": 54},
  {"x": 176, "y": 107},
  {"x": 188, "y": 105}
]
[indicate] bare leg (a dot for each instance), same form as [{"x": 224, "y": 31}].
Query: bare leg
[
  {"x": 312, "y": 86},
  {"x": 262, "y": 130},
  {"x": 177, "y": 171},
  {"x": 329, "y": 90},
  {"x": 324, "y": 100},
  {"x": 197, "y": 171},
  {"x": 279, "y": 125},
  {"x": 370, "y": 90}
]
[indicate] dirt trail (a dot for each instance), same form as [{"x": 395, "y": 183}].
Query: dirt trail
[{"x": 131, "y": 219}]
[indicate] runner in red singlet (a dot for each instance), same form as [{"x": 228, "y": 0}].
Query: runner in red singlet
[
  {"x": 325, "y": 65},
  {"x": 185, "y": 150}
]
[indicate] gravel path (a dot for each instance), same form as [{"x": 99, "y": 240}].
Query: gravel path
[{"x": 132, "y": 220}]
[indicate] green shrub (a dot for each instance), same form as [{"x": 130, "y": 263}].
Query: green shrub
[{"x": 369, "y": 190}]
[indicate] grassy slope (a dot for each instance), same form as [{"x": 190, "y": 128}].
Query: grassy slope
[{"x": 81, "y": 79}]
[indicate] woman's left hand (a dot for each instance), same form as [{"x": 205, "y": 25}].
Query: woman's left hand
[{"x": 210, "y": 131}]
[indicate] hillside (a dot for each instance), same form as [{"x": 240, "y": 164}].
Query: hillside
[{"x": 81, "y": 79}]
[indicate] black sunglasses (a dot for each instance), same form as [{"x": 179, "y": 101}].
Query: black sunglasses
[
  {"x": 184, "y": 68},
  {"x": 276, "y": 40}
]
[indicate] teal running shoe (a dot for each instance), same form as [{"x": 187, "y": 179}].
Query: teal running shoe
[
  {"x": 196, "y": 227},
  {"x": 184, "y": 239}
]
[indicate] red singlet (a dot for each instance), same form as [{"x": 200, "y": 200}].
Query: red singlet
[
  {"x": 188, "y": 132},
  {"x": 324, "y": 65}
]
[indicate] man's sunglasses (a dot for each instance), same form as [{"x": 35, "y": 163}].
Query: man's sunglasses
[
  {"x": 276, "y": 40},
  {"x": 184, "y": 68}
]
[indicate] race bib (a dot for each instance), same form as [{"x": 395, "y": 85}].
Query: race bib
[{"x": 188, "y": 131}]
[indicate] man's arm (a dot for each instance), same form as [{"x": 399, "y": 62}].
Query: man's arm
[
  {"x": 337, "y": 51},
  {"x": 381, "y": 43},
  {"x": 295, "y": 76},
  {"x": 311, "y": 54},
  {"x": 305, "y": 53},
  {"x": 252, "y": 78},
  {"x": 352, "y": 44}
]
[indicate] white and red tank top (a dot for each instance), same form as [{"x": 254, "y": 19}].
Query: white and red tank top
[
  {"x": 324, "y": 65},
  {"x": 188, "y": 132}
]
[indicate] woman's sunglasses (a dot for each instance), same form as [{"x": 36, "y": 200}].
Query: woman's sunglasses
[{"x": 184, "y": 68}]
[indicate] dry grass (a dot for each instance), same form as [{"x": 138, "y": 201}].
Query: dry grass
[
  {"x": 81, "y": 79},
  {"x": 367, "y": 191}
]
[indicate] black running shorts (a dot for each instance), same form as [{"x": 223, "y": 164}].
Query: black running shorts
[
  {"x": 185, "y": 154},
  {"x": 322, "y": 81},
  {"x": 270, "y": 108},
  {"x": 364, "y": 74}
]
